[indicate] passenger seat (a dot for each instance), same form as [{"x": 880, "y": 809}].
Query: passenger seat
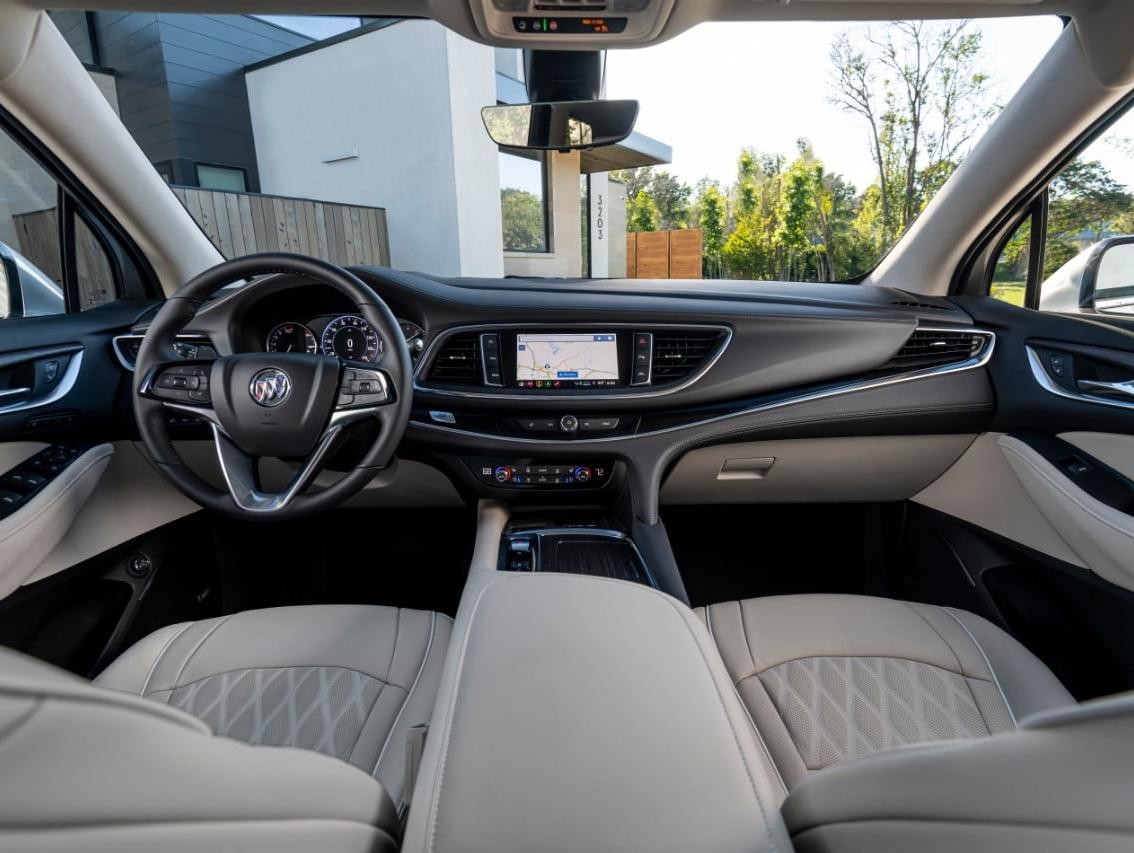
[{"x": 829, "y": 677}]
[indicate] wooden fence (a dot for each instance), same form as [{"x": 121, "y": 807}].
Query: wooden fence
[
  {"x": 237, "y": 223},
  {"x": 243, "y": 223},
  {"x": 664, "y": 254}
]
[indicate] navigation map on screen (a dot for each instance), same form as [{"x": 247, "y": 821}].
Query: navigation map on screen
[{"x": 551, "y": 360}]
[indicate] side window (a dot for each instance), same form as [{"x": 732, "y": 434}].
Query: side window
[
  {"x": 33, "y": 280},
  {"x": 1087, "y": 260}
]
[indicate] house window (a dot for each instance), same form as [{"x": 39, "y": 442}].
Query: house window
[
  {"x": 221, "y": 178},
  {"x": 523, "y": 201}
]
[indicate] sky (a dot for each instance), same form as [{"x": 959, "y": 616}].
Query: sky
[{"x": 720, "y": 87}]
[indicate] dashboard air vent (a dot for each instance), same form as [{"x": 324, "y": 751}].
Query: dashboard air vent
[
  {"x": 932, "y": 347},
  {"x": 458, "y": 362},
  {"x": 677, "y": 355}
]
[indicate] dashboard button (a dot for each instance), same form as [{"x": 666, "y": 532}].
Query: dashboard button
[
  {"x": 598, "y": 424},
  {"x": 641, "y": 376}
]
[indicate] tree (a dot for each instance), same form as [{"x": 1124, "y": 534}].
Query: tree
[
  {"x": 1086, "y": 198},
  {"x": 670, "y": 195},
  {"x": 712, "y": 217},
  {"x": 920, "y": 92},
  {"x": 643, "y": 214},
  {"x": 522, "y": 215},
  {"x": 672, "y": 199}
]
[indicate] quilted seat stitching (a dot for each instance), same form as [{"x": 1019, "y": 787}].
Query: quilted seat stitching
[{"x": 815, "y": 743}]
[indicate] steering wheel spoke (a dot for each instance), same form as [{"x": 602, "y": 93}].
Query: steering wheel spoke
[{"x": 240, "y": 473}]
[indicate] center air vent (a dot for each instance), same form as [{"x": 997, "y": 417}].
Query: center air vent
[
  {"x": 458, "y": 362},
  {"x": 934, "y": 347},
  {"x": 677, "y": 355}
]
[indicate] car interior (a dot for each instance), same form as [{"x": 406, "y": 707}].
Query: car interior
[{"x": 297, "y": 555}]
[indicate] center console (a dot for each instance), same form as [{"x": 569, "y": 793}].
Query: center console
[{"x": 580, "y": 713}]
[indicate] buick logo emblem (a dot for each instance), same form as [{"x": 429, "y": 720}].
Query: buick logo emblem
[{"x": 270, "y": 387}]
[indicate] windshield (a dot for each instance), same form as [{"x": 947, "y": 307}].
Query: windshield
[{"x": 785, "y": 151}]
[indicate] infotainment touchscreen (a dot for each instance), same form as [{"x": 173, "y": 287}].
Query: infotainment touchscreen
[{"x": 558, "y": 360}]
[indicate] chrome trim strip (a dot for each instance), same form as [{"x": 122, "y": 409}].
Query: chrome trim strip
[
  {"x": 66, "y": 383},
  {"x": 530, "y": 397},
  {"x": 126, "y": 365},
  {"x": 977, "y": 361},
  {"x": 14, "y": 392},
  {"x": 1039, "y": 372}
]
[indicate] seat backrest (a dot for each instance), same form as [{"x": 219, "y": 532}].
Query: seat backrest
[
  {"x": 88, "y": 768},
  {"x": 1063, "y": 781}
]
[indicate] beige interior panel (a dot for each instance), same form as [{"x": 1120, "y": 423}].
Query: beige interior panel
[
  {"x": 982, "y": 489},
  {"x": 1110, "y": 448},
  {"x": 132, "y": 499},
  {"x": 839, "y": 470},
  {"x": 30, "y": 533},
  {"x": 1102, "y": 536},
  {"x": 12, "y": 453}
]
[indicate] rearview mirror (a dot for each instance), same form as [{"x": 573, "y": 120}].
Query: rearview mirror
[{"x": 560, "y": 125}]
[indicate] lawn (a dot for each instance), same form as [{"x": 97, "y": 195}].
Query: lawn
[{"x": 1009, "y": 291}]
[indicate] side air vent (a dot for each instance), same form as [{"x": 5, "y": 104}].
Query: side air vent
[
  {"x": 933, "y": 347},
  {"x": 677, "y": 355},
  {"x": 458, "y": 362}
]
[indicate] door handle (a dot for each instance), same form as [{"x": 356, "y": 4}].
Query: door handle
[{"x": 1111, "y": 389}]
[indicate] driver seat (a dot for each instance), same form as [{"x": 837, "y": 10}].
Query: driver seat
[{"x": 140, "y": 766}]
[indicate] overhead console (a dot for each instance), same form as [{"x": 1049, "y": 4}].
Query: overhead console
[{"x": 559, "y": 24}]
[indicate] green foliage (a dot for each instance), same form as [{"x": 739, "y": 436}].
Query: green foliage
[
  {"x": 712, "y": 218},
  {"x": 1086, "y": 199},
  {"x": 670, "y": 196},
  {"x": 643, "y": 213},
  {"x": 522, "y": 214}
]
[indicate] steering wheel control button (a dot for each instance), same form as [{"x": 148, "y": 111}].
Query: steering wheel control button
[
  {"x": 270, "y": 387},
  {"x": 361, "y": 388},
  {"x": 182, "y": 383},
  {"x": 569, "y": 424}
]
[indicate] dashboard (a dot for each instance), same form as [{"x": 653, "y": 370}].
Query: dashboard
[{"x": 522, "y": 387}]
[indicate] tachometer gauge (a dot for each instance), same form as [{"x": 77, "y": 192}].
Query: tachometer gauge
[
  {"x": 352, "y": 338},
  {"x": 292, "y": 337}
]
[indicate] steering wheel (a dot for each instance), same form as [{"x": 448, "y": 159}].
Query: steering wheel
[{"x": 286, "y": 405}]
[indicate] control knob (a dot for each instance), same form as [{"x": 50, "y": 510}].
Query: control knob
[
  {"x": 504, "y": 474},
  {"x": 569, "y": 423},
  {"x": 582, "y": 474}
]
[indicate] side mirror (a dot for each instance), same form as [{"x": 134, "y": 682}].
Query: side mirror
[
  {"x": 560, "y": 125},
  {"x": 24, "y": 290},
  {"x": 1113, "y": 281}
]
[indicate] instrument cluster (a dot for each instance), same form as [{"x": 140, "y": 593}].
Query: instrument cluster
[{"x": 347, "y": 336}]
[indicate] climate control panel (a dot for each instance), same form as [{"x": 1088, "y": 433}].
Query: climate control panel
[{"x": 578, "y": 474}]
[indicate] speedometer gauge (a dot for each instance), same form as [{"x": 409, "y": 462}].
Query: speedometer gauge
[
  {"x": 291, "y": 337},
  {"x": 351, "y": 337}
]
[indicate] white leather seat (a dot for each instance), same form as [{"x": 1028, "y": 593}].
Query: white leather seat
[
  {"x": 829, "y": 677},
  {"x": 344, "y": 680}
]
